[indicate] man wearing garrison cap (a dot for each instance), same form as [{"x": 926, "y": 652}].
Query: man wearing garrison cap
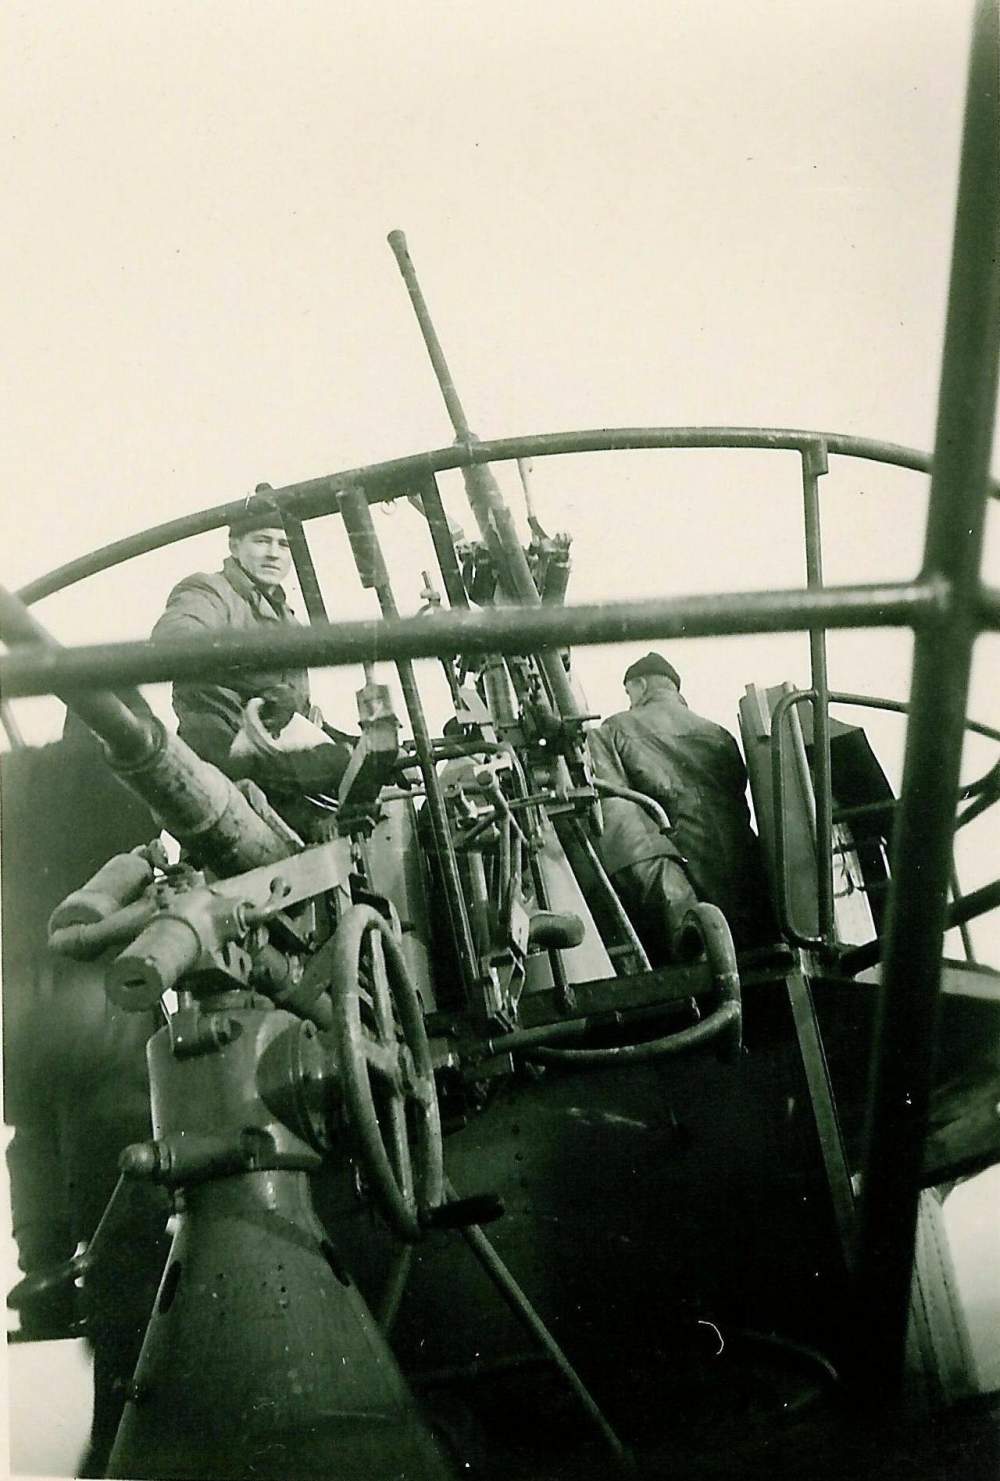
[
  {"x": 694, "y": 770},
  {"x": 248, "y": 705},
  {"x": 245, "y": 596}
]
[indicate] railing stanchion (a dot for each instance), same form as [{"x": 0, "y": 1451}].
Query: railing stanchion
[{"x": 814, "y": 465}]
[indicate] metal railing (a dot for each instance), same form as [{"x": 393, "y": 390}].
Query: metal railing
[
  {"x": 983, "y": 792},
  {"x": 946, "y": 605}
]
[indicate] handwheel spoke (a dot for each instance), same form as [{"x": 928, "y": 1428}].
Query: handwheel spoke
[
  {"x": 382, "y": 998},
  {"x": 382, "y": 1058},
  {"x": 399, "y": 1147},
  {"x": 421, "y": 1092}
]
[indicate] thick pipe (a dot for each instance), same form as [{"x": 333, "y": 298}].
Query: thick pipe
[
  {"x": 127, "y": 737},
  {"x": 976, "y": 808},
  {"x": 444, "y": 545},
  {"x": 814, "y": 465},
  {"x": 628, "y": 794},
  {"x": 497, "y": 528},
  {"x": 976, "y": 903},
  {"x": 507, "y": 630},
  {"x": 963, "y": 926},
  {"x": 922, "y": 837},
  {"x": 443, "y": 375}
]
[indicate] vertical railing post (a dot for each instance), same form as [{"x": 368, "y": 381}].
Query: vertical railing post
[
  {"x": 372, "y": 570},
  {"x": 305, "y": 570},
  {"x": 814, "y": 465},
  {"x": 963, "y": 929},
  {"x": 922, "y": 837}
]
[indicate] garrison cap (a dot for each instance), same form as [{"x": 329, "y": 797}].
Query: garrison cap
[
  {"x": 652, "y": 663},
  {"x": 259, "y": 512}
]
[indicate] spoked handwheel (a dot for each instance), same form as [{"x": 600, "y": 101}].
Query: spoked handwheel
[{"x": 386, "y": 1072}]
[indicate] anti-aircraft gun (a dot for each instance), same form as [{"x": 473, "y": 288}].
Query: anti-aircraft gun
[
  {"x": 297, "y": 1027},
  {"x": 296, "y": 1035},
  {"x": 246, "y": 1101}
]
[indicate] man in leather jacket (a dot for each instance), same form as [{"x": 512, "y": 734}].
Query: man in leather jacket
[
  {"x": 693, "y": 769},
  {"x": 247, "y": 595}
]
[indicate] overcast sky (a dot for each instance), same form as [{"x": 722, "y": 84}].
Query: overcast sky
[{"x": 639, "y": 213}]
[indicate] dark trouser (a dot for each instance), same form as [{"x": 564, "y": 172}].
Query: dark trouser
[{"x": 655, "y": 892}]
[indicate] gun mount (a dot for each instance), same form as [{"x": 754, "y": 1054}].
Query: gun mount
[{"x": 299, "y": 1040}]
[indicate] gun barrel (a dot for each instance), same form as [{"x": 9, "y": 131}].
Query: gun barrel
[
  {"x": 456, "y": 411},
  {"x": 203, "y": 809},
  {"x": 485, "y": 498}
]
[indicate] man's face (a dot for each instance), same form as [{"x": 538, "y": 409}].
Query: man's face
[
  {"x": 635, "y": 689},
  {"x": 263, "y": 554}
]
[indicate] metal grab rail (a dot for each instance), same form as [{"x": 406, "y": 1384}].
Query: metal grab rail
[
  {"x": 702, "y": 928},
  {"x": 629, "y": 794}
]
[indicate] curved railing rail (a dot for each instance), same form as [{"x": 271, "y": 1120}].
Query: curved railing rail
[{"x": 398, "y": 477}]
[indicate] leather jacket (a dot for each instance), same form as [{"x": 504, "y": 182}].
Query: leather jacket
[
  {"x": 210, "y": 714},
  {"x": 693, "y": 768}
]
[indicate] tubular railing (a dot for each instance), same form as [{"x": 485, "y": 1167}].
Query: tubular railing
[
  {"x": 401, "y": 477},
  {"x": 984, "y": 792},
  {"x": 946, "y": 605}
]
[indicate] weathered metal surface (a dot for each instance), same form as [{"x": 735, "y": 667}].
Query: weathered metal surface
[{"x": 367, "y": 549}]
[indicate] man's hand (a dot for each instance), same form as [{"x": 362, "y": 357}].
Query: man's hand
[
  {"x": 277, "y": 709},
  {"x": 278, "y": 745}
]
